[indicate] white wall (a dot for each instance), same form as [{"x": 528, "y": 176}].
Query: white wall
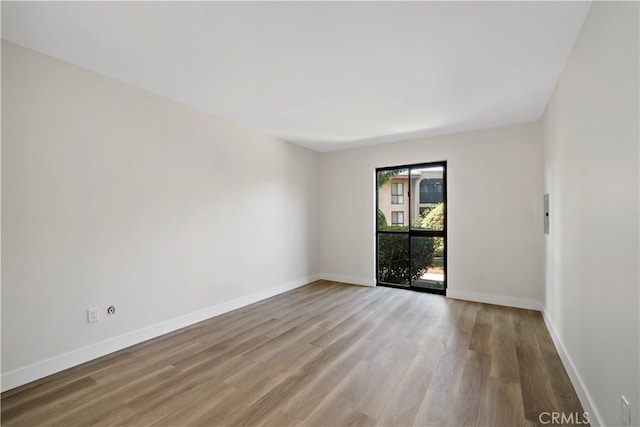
[
  {"x": 112, "y": 195},
  {"x": 494, "y": 211},
  {"x": 591, "y": 174}
]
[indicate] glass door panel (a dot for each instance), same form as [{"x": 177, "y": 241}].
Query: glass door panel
[
  {"x": 393, "y": 259},
  {"x": 411, "y": 227},
  {"x": 427, "y": 262},
  {"x": 393, "y": 200},
  {"x": 427, "y": 203}
]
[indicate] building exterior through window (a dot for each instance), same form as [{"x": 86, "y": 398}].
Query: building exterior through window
[
  {"x": 393, "y": 195},
  {"x": 397, "y": 218}
]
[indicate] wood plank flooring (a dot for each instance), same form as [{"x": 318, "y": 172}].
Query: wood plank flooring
[{"x": 326, "y": 354}]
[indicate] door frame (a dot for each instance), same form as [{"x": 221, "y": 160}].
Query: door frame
[{"x": 416, "y": 233}]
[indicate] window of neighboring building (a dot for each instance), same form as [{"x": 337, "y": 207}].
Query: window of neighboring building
[
  {"x": 397, "y": 193},
  {"x": 431, "y": 190},
  {"x": 397, "y": 217}
]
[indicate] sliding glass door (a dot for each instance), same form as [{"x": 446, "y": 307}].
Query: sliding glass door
[{"x": 411, "y": 227}]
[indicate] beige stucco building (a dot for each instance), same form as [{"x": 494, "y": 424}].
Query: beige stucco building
[{"x": 393, "y": 196}]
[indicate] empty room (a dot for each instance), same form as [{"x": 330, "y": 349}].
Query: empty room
[{"x": 320, "y": 213}]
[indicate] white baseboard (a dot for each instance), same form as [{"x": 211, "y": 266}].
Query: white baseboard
[
  {"x": 584, "y": 396},
  {"x": 64, "y": 361},
  {"x": 348, "y": 279},
  {"x": 526, "y": 303}
]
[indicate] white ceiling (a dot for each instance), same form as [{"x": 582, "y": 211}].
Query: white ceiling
[{"x": 326, "y": 75}]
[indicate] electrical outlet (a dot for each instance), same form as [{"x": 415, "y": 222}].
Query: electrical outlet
[
  {"x": 481, "y": 276},
  {"x": 93, "y": 315},
  {"x": 625, "y": 412}
]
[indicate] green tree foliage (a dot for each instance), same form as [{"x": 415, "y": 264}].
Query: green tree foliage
[
  {"x": 393, "y": 257},
  {"x": 382, "y": 220},
  {"x": 385, "y": 176},
  {"x": 432, "y": 219}
]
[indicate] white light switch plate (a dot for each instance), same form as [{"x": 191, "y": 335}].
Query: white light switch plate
[{"x": 93, "y": 315}]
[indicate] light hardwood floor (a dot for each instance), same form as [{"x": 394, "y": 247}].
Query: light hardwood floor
[{"x": 326, "y": 354}]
